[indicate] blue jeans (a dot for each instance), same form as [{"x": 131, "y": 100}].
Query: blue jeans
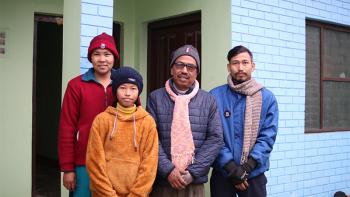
[{"x": 82, "y": 188}]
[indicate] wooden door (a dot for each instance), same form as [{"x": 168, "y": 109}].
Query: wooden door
[{"x": 165, "y": 36}]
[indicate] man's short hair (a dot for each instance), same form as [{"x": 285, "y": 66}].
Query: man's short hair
[{"x": 237, "y": 50}]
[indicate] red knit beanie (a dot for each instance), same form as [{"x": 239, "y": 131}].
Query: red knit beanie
[{"x": 103, "y": 41}]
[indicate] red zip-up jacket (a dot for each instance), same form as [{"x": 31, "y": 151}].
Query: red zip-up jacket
[{"x": 83, "y": 100}]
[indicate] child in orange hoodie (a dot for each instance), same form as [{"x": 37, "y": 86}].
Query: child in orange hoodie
[{"x": 122, "y": 151}]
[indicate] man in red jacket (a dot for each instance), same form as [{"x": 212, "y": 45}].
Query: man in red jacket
[{"x": 86, "y": 96}]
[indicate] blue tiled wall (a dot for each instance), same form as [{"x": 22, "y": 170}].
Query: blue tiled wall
[
  {"x": 96, "y": 17},
  {"x": 301, "y": 164}
]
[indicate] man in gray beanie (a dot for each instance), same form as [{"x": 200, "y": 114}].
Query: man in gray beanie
[
  {"x": 186, "y": 50},
  {"x": 189, "y": 128}
]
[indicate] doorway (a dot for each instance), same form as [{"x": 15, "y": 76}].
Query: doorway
[
  {"x": 164, "y": 36},
  {"x": 117, "y": 29},
  {"x": 47, "y": 82}
]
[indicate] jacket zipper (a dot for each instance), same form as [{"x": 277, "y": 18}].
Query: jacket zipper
[{"x": 106, "y": 97}]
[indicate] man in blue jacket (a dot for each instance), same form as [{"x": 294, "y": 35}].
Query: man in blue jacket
[
  {"x": 249, "y": 115},
  {"x": 189, "y": 129}
]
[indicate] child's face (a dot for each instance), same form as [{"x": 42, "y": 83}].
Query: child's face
[{"x": 127, "y": 94}]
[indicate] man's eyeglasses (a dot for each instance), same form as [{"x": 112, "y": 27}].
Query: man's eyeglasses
[{"x": 181, "y": 65}]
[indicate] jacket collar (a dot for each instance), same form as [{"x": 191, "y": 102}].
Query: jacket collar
[
  {"x": 89, "y": 75},
  {"x": 173, "y": 88}
]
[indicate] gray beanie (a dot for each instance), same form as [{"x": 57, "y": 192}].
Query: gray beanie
[{"x": 186, "y": 50}]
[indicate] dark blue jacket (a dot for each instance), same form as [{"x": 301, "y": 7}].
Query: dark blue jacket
[{"x": 206, "y": 131}]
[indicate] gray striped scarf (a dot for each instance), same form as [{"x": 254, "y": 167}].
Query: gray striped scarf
[{"x": 251, "y": 89}]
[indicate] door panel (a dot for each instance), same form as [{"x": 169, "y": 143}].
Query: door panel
[{"x": 165, "y": 36}]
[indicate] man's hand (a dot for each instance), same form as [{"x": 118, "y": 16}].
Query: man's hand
[
  {"x": 175, "y": 179},
  {"x": 236, "y": 174},
  {"x": 242, "y": 186},
  {"x": 187, "y": 177},
  {"x": 69, "y": 180}
]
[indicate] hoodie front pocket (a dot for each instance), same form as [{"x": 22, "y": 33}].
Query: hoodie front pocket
[{"x": 122, "y": 174}]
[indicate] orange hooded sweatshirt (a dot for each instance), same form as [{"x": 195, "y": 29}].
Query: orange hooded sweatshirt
[{"x": 123, "y": 162}]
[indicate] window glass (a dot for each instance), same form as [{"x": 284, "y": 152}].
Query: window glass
[
  {"x": 312, "y": 94},
  {"x": 336, "y": 105},
  {"x": 336, "y": 54}
]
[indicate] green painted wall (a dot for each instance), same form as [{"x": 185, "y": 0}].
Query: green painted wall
[
  {"x": 124, "y": 13},
  {"x": 71, "y": 41},
  {"x": 71, "y": 50},
  {"x": 17, "y": 18},
  {"x": 216, "y": 36}
]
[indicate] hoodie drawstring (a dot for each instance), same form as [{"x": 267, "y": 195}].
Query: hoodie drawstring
[
  {"x": 135, "y": 143},
  {"x": 115, "y": 128},
  {"x": 114, "y": 125}
]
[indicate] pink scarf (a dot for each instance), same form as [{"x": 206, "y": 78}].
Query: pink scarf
[
  {"x": 182, "y": 145},
  {"x": 251, "y": 89}
]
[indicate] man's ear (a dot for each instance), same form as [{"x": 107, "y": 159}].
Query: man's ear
[
  {"x": 253, "y": 66},
  {"x": 229, "y": 68},
  {"x": 171, "y": 71}
]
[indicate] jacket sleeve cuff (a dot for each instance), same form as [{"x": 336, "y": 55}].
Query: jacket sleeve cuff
[
  {"x": 192, "y": 173},
  {"x": 230, "y": 166},
  {"x": 250, "y": 165},
  {"x": 67, "y": 168}
]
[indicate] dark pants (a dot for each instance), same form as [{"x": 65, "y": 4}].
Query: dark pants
[{"x": 220, "y": 186}]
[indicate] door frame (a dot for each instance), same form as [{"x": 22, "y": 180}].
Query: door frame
[{"x": 38, "y": 17}]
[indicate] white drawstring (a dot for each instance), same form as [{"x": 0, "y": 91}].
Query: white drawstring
[
  {"x": 114, "y": 125},
  {"x": 135, "y": 143},
  {"x": 115, "y": 128}
]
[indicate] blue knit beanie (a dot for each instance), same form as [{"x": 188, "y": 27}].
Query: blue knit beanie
[{"x": 126, "y": 75}]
